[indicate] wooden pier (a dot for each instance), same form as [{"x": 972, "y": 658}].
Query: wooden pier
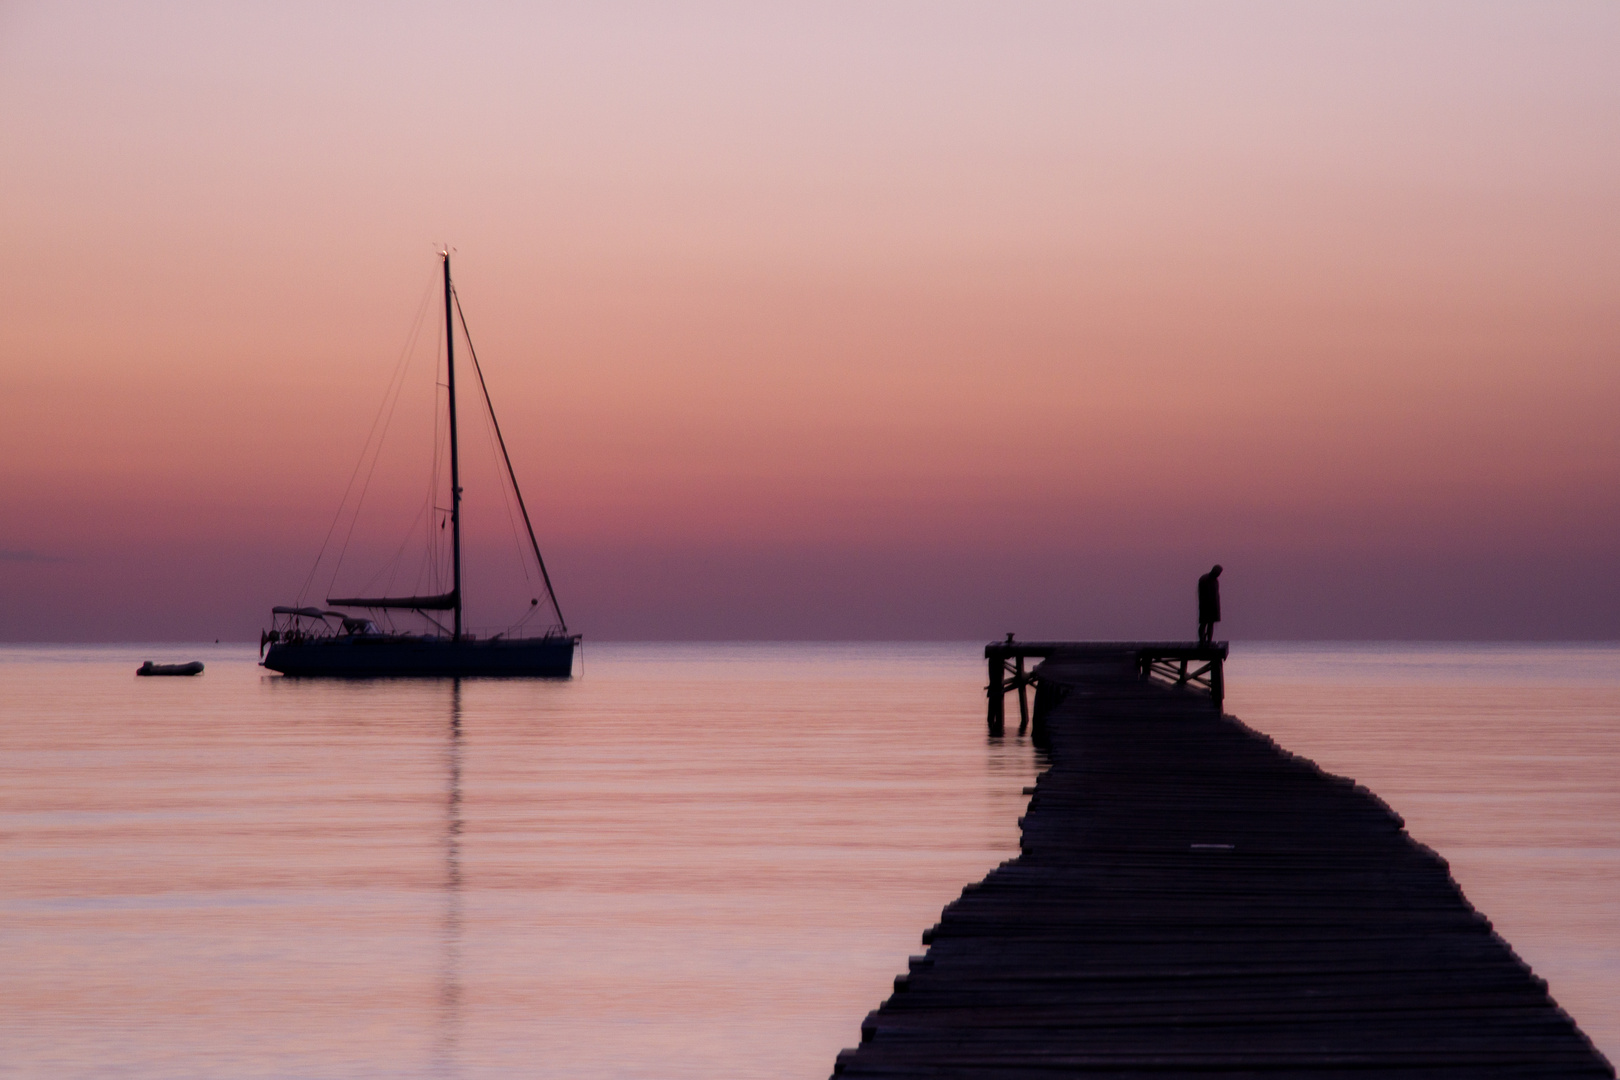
[{"x": 1193, "y": 900}]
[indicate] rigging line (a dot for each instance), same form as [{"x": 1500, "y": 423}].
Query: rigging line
[
  {"x": 422, "y": 567},
  {"x": 392, "y": 565},
  {"x": 511, "y": 519},
  {"x": 426, "y": 561},
  {"x": 435, "y": 554},
  {"x": 428, "y": 569},
  {"x": 403, "y": 361},
  {"x": 506, "y": 498},
  {"x": 376, "y": 454},
  {"x": 509, "y": 472},
  {"x": 364, "y": 488}
]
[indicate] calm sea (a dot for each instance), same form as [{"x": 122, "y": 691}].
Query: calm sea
[{"x": 695, "y": 860}]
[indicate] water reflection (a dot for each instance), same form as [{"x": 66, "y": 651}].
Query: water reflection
[
  {"x": 701, "y": 861},
  {"x": 450, "y": 975}
]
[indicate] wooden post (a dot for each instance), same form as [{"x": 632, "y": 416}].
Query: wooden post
[
  {"x": 1047, "y": 697},
  {"x": 997, "y": 693},
  {"x": 1217, "y": 681},
  {"x": 1023, "y": 697}
]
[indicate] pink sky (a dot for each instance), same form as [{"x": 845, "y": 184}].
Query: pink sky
[{"x": 899, "y": 320}]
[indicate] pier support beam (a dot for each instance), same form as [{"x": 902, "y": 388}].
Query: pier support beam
[
  {"x": 1006, "y": 666},
  {"x": 1023, "y": 696},
  {"x": 997, "y": 695},
  {"x": 1182, "y": 665},
  {"x": 1185, "y": 664}
]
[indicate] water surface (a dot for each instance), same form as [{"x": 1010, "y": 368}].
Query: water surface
[{"x": 695, "y": 860}]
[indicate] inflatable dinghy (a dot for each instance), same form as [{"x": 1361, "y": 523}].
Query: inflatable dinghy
[{"x": 149, "y": 668}]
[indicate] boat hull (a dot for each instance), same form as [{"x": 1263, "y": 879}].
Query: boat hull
[
  {"x": 370, "y": 657},
  {"x": 149, "y": 668}
]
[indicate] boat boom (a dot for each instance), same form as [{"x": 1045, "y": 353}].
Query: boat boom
[{"x": 442, "y": 602}]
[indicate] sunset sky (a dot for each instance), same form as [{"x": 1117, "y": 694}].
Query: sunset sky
[{"x": 864, "y": 320}]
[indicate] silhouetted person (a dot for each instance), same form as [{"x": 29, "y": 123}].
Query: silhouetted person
[{"x": 1209, "y": 604}]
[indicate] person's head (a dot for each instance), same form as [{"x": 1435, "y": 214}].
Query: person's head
[{"x": 1215, "y": 571}]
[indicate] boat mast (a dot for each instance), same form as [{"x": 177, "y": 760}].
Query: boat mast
[{"x": 455, "y": 461}]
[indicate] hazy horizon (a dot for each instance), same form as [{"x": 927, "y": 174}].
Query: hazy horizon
[
  {"x": 833, "y": 322},
  {"x": 1346, "y": 644}
]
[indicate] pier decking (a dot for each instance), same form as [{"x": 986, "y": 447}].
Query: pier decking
[{"x": 1194, "y": 900}]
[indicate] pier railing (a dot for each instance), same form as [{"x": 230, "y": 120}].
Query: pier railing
[
  {"x": 1185, "y": 664},
  {"x": 1201, "y": 666}
]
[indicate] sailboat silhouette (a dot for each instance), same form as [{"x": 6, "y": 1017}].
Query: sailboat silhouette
[{"x": 307, "y": 641}]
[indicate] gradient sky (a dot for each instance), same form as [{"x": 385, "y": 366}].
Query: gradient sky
[{"x": 893, "y": 320}]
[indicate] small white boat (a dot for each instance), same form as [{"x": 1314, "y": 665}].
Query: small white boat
[{"x": 149, "y": 668}]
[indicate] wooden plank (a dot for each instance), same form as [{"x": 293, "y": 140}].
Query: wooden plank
[{"x": 1192, "y": 899}]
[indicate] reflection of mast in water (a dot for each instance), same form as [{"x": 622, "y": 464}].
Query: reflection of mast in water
[{"x": 450, "y": 979}]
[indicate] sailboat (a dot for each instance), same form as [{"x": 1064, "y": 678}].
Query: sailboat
[{"x": 307, "y": 640}]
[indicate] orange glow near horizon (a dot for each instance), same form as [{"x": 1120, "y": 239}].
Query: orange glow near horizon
[{"x": 931, "y": 298}]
